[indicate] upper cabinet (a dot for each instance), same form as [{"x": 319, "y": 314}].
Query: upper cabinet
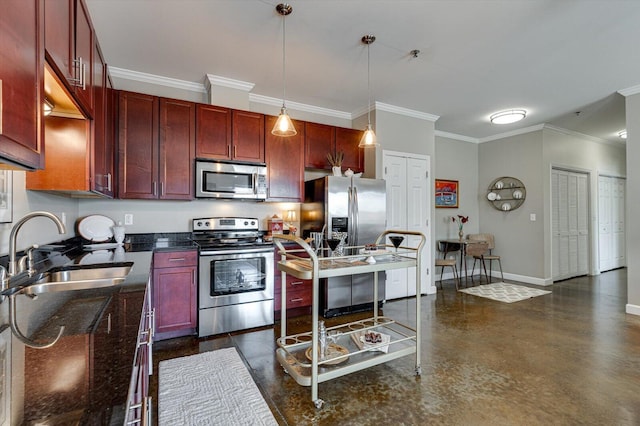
[
  {"x": 285, "y": 163},
  {"x": 321, "y": 139},
  {"x": 156, "y": 147},
  {"x": 21, "y": 84},
  {"x": 69, "y": 48},
  {"x": 226, "y": 134}
]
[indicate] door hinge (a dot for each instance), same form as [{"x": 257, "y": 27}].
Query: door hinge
[
  {"x": 385, "y": 170},
  {"x": 427, "y": 223},
  {"x": 427, "y": 173}
]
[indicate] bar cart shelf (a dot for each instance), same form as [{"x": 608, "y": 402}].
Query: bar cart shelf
[{"x": 299, "y": 354}]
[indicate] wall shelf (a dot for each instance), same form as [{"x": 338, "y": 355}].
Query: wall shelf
[{"x": 506, "y": 193}]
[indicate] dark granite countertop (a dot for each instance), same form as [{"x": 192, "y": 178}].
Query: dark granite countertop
[{"x": 84, "y": 377}]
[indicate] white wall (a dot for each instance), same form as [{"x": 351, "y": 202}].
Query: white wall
[
  {"x": 633, "y": 203},
  {"x": 457, "y": 160}
]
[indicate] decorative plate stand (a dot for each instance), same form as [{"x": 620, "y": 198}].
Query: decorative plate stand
[{"x": 506, "y": 193}]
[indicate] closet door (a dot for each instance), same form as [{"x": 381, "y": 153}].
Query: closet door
[
  {"x": 570, "y": 221},
  {"x": 611, "y": 223},
  {"x": 408, "y": 208}
]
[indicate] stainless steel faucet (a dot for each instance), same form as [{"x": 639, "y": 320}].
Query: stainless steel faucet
[{"x": 13, "y": 264}]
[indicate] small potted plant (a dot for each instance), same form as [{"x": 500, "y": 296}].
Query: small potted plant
[{"x": 336, "y": 162}]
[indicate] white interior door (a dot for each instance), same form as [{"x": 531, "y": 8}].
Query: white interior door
[
  {"x": 611, "y": 223},
  {"x": 408, "y": 207},
  {"x": 570, "y": 222}
]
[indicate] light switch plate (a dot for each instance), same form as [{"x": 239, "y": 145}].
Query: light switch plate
[
  {"x": 128, "y": 219},
  {"x": 532, "y": 217}
]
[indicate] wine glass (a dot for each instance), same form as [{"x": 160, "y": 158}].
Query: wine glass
[
  {"x": 333, "y": 245},
  {"x": 396, "y": 240}
]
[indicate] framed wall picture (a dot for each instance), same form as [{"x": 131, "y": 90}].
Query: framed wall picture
[
  {"x": 6, "y": 196},
  {"x": 446, "y": 193}
]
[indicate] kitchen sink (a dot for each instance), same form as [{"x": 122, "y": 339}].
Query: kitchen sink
[{"x": 78, "y": 277}]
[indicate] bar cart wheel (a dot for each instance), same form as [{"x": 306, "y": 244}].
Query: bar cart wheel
[
  {"x": 418, "y": 371},
  {"x": 318, "y": 403}
]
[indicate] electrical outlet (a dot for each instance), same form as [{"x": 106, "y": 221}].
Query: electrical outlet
[
  {"x": 532, "y": 217},
  {"x": 128, "y": 219}
]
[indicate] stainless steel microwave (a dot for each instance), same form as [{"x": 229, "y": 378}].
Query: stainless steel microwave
[{"x": 231, "y": 180}]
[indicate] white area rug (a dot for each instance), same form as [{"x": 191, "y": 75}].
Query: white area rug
[
  {"x": 211, "y": 388},
  {"x": 504, "y": 292}
]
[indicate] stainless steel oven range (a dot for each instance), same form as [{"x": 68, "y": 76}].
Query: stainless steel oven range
[{"x": 235, "y": 275}]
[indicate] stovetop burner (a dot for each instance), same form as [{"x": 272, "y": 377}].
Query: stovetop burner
[{"x": 227, "y": 233}]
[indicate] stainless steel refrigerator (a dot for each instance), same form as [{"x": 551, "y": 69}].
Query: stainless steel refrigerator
[{"x": 356, "y": 206}]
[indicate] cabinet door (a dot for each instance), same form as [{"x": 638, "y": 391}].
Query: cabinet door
[
  {"x": 84, "y": 51},
  {"x": 137, "y": 146},
  {"x": 248, "y": 136},
  {"x": 213, "y": 132},
  {"x": 175, "y": 295},
  {"x": 347, "y": 141},
  {"x": 177, "y": 149},
  {"x": 285, "y": 163},
  {"x": 102, "y": 150},
  {"x": 58, "y": 38},
  {"x": 21, "y": 83},
  {"x": 319, "y": 141}
]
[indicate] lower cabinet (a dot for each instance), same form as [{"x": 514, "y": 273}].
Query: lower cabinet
[
  {"x": 175, "y": 293},
  {"x": 138, "y": 400}
]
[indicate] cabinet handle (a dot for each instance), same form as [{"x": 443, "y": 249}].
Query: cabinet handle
[
  {"x": 296, "y": 283},
  {"x": 77, "y": 72},
  {"x": 229, "y": 151},
  {"x": 176, "y": 259},
  {"x": 297, "y": 299},
  {"x": 109, "y": 323},
  {"x": 195, "y": 279},
  {"x": 108, "y": 181},
  {"x": 83, "y": 75},
  {"x": 153, "y": 191},
  {"x": 235, "y": 151},
  {"x": 161, "y": 189}
]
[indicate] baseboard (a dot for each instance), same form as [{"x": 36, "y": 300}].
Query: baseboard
[
  {"x": 507, "y": 276},
  {"x": 633, "y": 309}
]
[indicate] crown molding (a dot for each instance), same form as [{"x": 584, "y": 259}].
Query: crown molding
[
  {"x": 156, "y": 79},
  {"x": 268, "y": 100},
  {"x": 634, "y": 90},
  {"x": 406, "y": 111},
  {"x": 216, "y": 80},
  {"x": 455, "y": 136},
  {"x": 512, "y": 133},
  {"x": 584, "y": 136}
]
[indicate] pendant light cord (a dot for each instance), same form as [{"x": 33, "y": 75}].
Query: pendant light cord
[
  {"x": 369, "y": 85},
  {"x": 284, "y": 34}
]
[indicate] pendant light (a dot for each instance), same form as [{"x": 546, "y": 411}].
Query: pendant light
[
  {"x": 369, "y": 137},
  {"x": 284, "y": 125}
]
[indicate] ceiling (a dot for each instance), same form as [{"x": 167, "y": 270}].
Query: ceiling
[{"x": 562, "y": 61}]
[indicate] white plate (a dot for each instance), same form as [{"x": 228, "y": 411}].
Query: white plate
[
  {"x": 375, "y": 252},
  {"x": 517, "y": 194},
  {"x": 506, "y": 207},
  {"x": 96, "y": 228},
  {"x": 492, "y": 196},
  {"x": 499, "y": 184}
]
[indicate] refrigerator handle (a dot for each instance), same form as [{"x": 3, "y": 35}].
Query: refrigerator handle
[
  {"x": 356, "y": 212},
  {"x": 351, "y": 235}
]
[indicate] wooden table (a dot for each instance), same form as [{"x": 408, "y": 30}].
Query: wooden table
[{"x": 463, "y": 253}]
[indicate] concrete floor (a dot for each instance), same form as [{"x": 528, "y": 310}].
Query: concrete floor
[{"x": 566, "y": 358}]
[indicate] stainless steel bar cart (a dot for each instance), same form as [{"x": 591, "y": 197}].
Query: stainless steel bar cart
[{"x": 299, "y": 354}]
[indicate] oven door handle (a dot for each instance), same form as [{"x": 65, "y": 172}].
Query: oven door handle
[{"x": 234, "y": 252}]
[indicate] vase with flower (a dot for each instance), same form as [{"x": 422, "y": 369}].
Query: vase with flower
[
  {"x": 460, "y": 220},
  {"x": 336, "y": 162}
]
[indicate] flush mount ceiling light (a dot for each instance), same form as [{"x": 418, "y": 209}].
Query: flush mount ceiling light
[
  {"x": 508, "y": 116},
  {"x": 622, "y": 134},
  {"x": 369, "y": 137},
  {"x": 47, "y": 106},
  {"x": 284, "y": 125}
]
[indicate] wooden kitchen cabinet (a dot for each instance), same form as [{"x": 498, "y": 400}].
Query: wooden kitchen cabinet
[
  {"x": 347, "y": 141},
  {"x": 321, "y": 139},
  {"x": 299, "y": 292},
  {"x": 247, "y": 136},
  {"x": 285, "y": 163},
  {"x": 175, "y": 293},
  {"x": 21, "y": 84},
  {"x": 226, "y": 134},
  {"x": 213, "y": 132},
  {"x": 156, "y": 147},
  {"x": 69, "y": 45}
]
